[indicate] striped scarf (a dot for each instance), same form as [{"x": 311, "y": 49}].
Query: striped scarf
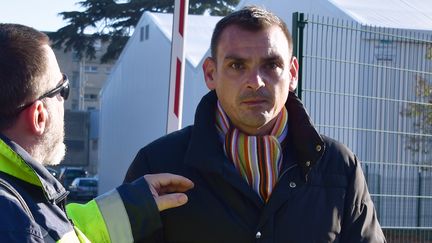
[{"x": 257, "y": 158}]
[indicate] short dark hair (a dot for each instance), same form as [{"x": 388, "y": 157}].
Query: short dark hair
[
  {"x": 22, "y": 61},
  {"x": 251, "y": 18}
]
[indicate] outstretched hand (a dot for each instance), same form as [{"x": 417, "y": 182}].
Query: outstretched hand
[{"x": 167, "y": 189}]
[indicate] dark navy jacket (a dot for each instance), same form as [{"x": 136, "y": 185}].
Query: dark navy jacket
[
  {"x": 47, "y": 201},
  {"x": 321, "y": 194}
]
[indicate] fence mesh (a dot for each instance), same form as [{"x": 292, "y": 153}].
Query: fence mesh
[{"x": 371, "y": 88}]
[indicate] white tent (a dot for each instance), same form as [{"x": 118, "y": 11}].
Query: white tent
[{"x": 134, "y": 100}]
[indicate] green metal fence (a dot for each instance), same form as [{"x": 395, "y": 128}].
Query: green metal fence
[{"x": 371, "y": 88}]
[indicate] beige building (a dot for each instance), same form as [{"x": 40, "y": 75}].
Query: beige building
[{"x": 86, "y": 76}]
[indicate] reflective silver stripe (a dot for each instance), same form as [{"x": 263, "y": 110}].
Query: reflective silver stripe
[
  {"x": 115, "y": 216},
  {"x": 69, "y": 237}
]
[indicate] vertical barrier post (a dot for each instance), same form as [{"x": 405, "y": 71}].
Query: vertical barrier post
[
  {"x": 298, "y": 23},
  {"x": 176, "y": 83}
]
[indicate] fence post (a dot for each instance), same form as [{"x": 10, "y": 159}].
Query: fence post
[
  {"x": 419, "y": 203},
  {"x": 297, "y": 34}
]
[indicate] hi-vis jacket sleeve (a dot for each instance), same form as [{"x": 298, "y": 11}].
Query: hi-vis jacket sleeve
[{"x": 125, "y": 214}]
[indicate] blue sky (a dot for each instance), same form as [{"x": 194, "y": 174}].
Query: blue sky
[{"x": 39, "y": 14}]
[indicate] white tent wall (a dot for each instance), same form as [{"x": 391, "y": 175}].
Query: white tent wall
[
  {"x": 134, "y": 101},
  {"x": 125, "y": 109},
  {"x": 323, "y": 48},
  {"x": 394, "y": 84}
]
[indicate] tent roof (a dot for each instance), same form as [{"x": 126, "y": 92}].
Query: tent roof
[
  {"x": 401, "y": 14},
  {"x": 199, "y": 30}
]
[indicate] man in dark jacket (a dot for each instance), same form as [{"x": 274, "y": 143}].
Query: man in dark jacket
[
  {"x": 32, "y": 201},
  {"x": 261, "y": 171}
]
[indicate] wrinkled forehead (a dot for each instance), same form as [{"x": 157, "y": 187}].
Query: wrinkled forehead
[
  {"x": 256, "y": 29},
  {"x": 235, "y": 39}
]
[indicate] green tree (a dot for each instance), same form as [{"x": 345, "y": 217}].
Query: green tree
[
  {"x": 113, "y": 21},
  {"x": 421, "y": 113}
]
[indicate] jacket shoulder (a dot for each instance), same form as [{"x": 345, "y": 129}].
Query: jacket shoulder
[
  {"x": 15, "y": 224},
  {"x": 338, "y": 157},
  {"x": 177, "y": 139},
  {"x": 334, "y": 146},
  {"x": 165, "y": 154}
]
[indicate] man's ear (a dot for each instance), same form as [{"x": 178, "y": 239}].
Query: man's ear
[
  {"x": 293, "y": 72},
  {"x": 36, "y": 117},
  {"x": 209, "y": 68}
]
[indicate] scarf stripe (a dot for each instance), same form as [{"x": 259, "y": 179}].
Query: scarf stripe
[{"x": 258, "y": 159}]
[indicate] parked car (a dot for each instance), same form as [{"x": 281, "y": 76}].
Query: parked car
[
  {"x": 83, "y": 188},
  {"x": 53, "y": 172},
  {"x": 68, "y": 174}
]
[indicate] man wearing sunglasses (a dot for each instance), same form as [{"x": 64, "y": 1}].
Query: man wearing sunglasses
[{"x": 32, "y": 201}]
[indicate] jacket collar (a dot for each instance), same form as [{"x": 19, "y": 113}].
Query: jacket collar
[
  {"x": 16, "y": 162},
  {"x": 206, "y": 152},
  {"x": 306, "y": 142}
]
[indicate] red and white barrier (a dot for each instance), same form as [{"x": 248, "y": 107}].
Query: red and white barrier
[{"x": 175, "y": 103}]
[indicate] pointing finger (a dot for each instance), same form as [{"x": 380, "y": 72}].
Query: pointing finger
[{"x": 171, "y": 201}]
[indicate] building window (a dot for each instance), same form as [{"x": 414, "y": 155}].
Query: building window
[
  {"x": 147, "y": 32},
  {"x": 74, "y": 80},
  {"x": 144, "y": 32},
  {"x": 90, "y": 96},
  {"x": 90, "y": 69}
]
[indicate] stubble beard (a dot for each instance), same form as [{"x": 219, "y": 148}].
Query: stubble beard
[
  {"x": 52, "y": 147},
  {"x": 257, "y": 117},
  {"x": 56, "y": 155}
]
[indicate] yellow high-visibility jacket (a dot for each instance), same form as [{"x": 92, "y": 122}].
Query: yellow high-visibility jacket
[{"x": 32, "y": 204}]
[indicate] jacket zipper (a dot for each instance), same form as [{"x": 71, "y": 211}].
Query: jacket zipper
[{"x": 61, "y": 197}]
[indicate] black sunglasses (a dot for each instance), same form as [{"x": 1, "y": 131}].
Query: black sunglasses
[{"x": 62, "y": 89}]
